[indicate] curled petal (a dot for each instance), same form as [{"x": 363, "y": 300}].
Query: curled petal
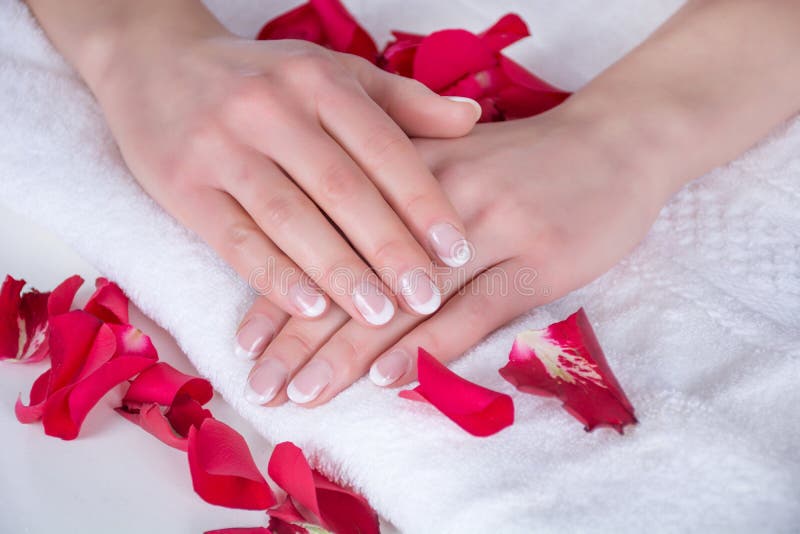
[
  {"x": 565, "y": 361},
  {"x": 476, "y": 409},
  {"x": 334, "y": 507},
  {"x": 153, "y": 421},
  {"x": 508, "y": 30},
  {"x": 223, "y": 470},
  {"x": 108, "y": 303},
  {"x": 79, "y": 344},
  {"x": 241, "y": 530},
  {"x": 63, "y": 295},
  {"x": 10, "y": 300},
  {"x": 66, "y": 408},
  {"x": 162, "y": 383},
  {"x": 33, "y": 412},
  {"x": 23, "y": 322},
  {"x": 184, "y": 413}
]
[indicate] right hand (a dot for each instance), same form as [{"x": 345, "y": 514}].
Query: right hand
[{"x": 254, "y": 145}]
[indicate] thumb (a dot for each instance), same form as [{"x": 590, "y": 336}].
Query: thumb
[{"x": 416, "y": 109}]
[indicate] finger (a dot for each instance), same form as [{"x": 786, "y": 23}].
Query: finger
[
  {"x": 289, "y": 350},
  {"x": 388, "y": 157},
  {"x": 236, "y": 237},
  {"x": 416, "y": 109},
  {"x": 340, "y": 188},
  {"x": 464, "y": 320},
  {"x": 260, "y": 325},
  {"x": 295, "y": 223},
  {"x": 491, "y": 300}
]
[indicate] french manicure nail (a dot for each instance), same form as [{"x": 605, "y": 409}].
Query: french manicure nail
[
  {"x": 265, "y": 381},
  {"x": 450, "y": 245},
  {"x": 308, "y": 299},
  {"x": 374, "y": 306},
  {"x": 474, "y": 103},
  {"x": 420, "y": 292},
  {"x": 253, "y": 336},
  {"x": 387, "y": 369},
  {"x": 310, "y": 382}
]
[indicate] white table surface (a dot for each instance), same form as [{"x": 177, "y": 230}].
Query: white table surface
[{"x": 115, "y": 477}]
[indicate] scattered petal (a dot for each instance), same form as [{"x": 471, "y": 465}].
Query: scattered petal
[
  {"x": 241, "y": 530},
  {"x": 223, "y": 470},
  {"x": 565, "y": 361},
  {"x": 333, "y": 507},
  {"x": 108, "y": 303},
  {"x": 476, "y": 409},
  {"x": 508, "y": 30},
  {"x": 23, "y": 322},
  {"x": 446, "y": 56},
  {"x": 62, "y": 297},
  {"x": 162, "y": 383},
  {"x": 326, "y": 23}
]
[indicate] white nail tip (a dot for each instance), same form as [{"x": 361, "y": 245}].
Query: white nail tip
[
  {"x": 317, "y": 308},
  {"x": 429, "y": 306},
  {"x": 460, "y": 255},
  {"x": 377, "y": 378},
  {"x": 474, "y": 103},
  {"x": 256, "y": 398},
  {"x": 297, "y": 397},
  {"x": 386, "y": 314},
  {"x": 243, "y": 354}
]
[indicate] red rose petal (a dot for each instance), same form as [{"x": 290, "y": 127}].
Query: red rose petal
[
  {"x": 565, "y": 361},
  {"x": 152, "y": 420},
  {"x": 446, "y": 56},
  {"x": 162, "y": 383},
  {"x": 10, "y": 300},
  {"x": 509, "y": 29},
  {"x": 299, "y": 23},
  {"x": 398, "y": 56},
  {"x": 223, "y": 470},
  {"x": 23, "y": 322},
  {"x": 286, "y": 518},
  {"x": 66, "y": 409},
  {"x": 184, "y": 413},
  {"x": 326, "y": 23},
  {"x": 344, "y": 33},
  {"x": 241, "y": 530},
  {"x": 79, "y": 344},
  {"x": 476, "y": 409},
  {"x": 108, "y": 303},
  {"x": 63, "y": 295},
  {"x": 33, "y": 412},
  {"x": 336, "y": 508}
]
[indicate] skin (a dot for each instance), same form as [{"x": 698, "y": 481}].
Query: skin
[
  {"x": 571, "y": 191},
  {"x": 223, "y": 125}
]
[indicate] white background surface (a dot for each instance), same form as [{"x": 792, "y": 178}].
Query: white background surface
[{"x": 115, "y": 477}]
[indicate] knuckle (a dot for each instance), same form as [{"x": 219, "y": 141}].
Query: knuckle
[
  {"x": 394, "y": 252},
  {"x": 239, "y": 237},
  {"x": 252, "y": 96},
  {"x": 309, "y": 66},
  {"x": 350, "y": 355},
  {"x": 280, "y": 211},
  {"x": 338, "y": 183},
  {"x": 299, "y": 341}
]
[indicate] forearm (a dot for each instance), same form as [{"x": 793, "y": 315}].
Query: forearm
[
  {"x": 711, "y": 82},
  {"x": 91, "y": 34}
]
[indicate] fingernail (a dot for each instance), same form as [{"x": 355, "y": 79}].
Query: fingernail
[
  {"x": 474, "y": 103},
  {"x": 450, "y": 245},
  {"x": 387, "y": 369},
  {"x": 420, "y": 292},
  {"x": 376, "y": 307},
  {"x": 310, "y": 382},
  {"x": 253, "y": 336},
  {"x": 308, "y": 299},
  {"x": 265, "y": 381}
]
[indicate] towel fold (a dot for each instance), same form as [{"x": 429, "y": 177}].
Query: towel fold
[{"x": 701, "y": 323}]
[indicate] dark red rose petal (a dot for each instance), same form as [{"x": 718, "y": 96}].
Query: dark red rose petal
[
  {"x": 10, "y": 300},
  {"x": 23, "y": 322},
  {"x": 286, "y": 518},
  {"x": 476, "y": 409},
  {"x": 336, "y": 508},
  {"x": 299, "y": 23},
  {"x": 398, "y": 56},
  {"x": 446, "y": 56},
  {"x": 223, "y": 470},
  {"x": 184, "y": 413},
  {"x": 565, "y": 361},
  {"x": 108, "y": 303},
  {"x": 508, "y": 30}
]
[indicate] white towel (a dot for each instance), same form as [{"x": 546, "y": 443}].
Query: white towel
[{"x": 700, "y": 324}]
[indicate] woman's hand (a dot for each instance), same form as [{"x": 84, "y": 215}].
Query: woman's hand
[
  {"x": 548, "y": 207},
  {"x": 258, "y": 146}
]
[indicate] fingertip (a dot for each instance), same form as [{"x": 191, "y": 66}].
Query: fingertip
[{"x": 474, "y": 109}]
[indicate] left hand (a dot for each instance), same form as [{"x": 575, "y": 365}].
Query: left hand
[{"x": 549, "y": 207}]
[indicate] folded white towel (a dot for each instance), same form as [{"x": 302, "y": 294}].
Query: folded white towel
[{"x": 701, "y": 323}]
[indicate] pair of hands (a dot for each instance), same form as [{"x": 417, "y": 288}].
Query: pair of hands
[{"x": 270, "y": 150}]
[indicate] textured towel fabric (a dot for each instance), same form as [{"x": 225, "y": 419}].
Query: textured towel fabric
[{"x": 701, "y": 323}]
